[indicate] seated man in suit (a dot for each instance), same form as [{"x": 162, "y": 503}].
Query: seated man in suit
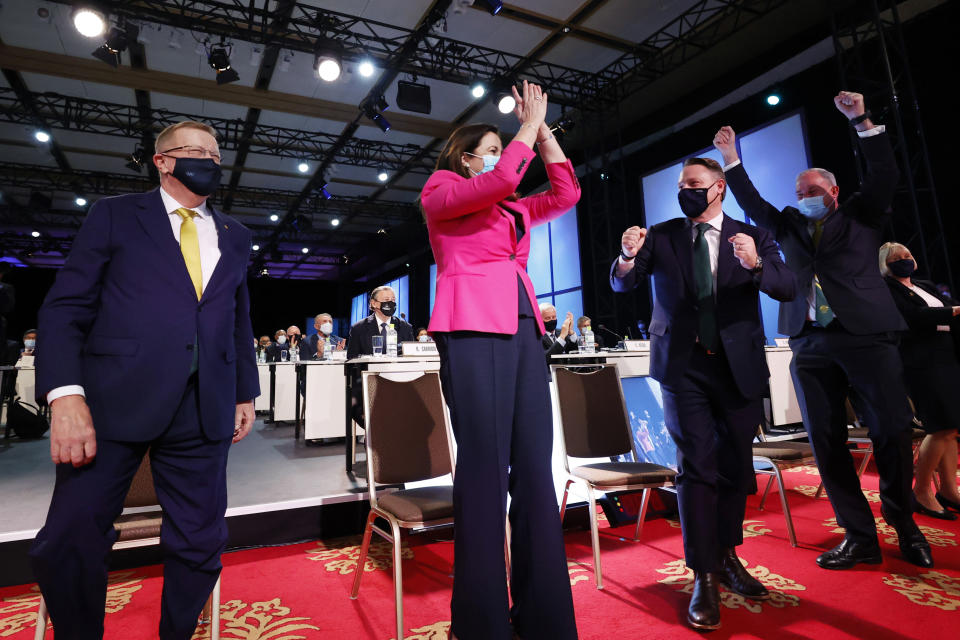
[
  {"x": 582, "y": 323},
  {"x": 707, "y": 353},
  {"x": 842, "y": 332},
  {"x": 383, "y": 303},
  {"x": 29, "y": 343},
  {"x": 295, "y": 340},
  {"x": 313, "y": 347},
  {"x": 556, "y": 340},
  {"x": 279, "y": 344}
]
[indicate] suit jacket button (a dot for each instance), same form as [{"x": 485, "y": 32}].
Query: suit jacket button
[
  {"x": 513, "y": 256},
  {"x": 189, "y": 347}
]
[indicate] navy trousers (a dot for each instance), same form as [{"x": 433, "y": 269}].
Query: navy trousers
[
  {"x": 69, "y": 554},
  {"x": 713, "y": 426},
  {"x": 826, "y": 364},
  {"x": 499, "y": 397}
]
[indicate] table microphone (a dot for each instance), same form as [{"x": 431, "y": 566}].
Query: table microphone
[{"x": 603, "y": 328}]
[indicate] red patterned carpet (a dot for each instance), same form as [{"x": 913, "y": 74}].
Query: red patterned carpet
[{"x": 302, "y": 591}]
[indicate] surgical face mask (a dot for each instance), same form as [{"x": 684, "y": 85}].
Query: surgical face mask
[
  {"x": 489, "y": 162},
  {"x": 424, "y": 338},
  {"x": 200, "y": 175},
  {"x": 550, "y": 325},
  {"x": 388, "y": 308},
  {"x": 902, "y": 268},
  {"x": 29, "y": 344},
  {"x": 693, "y": 202},
  {"x": 281, "y": 339},
  {"x": 813, "y": 207},
  {"x": 326, "y": 328}
]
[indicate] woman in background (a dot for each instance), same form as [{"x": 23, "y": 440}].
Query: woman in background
[
  {"x": 487, "y": 328},
  {"x": 930, "y": 358}
]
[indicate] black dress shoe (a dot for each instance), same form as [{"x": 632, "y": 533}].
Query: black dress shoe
[
  {"x": 948, "y": 503},
  {"x": 735, "y": 577},
  {"x": 849, "y": 553},
  {"x": 913, "y": 544},
  {"x": 943, "y": 514},
  {"x": 704, "y": 611}
]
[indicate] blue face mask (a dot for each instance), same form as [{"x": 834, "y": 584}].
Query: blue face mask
[
  {"x": 489, "y": 162},
  {"x": 813, "y": 207}
]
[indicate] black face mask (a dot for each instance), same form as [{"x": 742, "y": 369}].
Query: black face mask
[
  {"x": 200, "y": 175},
  {"x": 550, "y": 325},
  {"x": 388, "y": 308},
  {"x": 693, "y": 202},
  {"x": 902, "y": 268}
]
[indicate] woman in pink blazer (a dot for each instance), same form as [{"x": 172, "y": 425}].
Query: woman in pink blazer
[{"x": 487, "y": 328}]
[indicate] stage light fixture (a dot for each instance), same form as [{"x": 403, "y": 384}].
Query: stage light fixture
[
  {"x": 110, "y": 50},
  {"x": 335, "y": 222},
  {"x": 506, "y": 103},
  {"x": 89, "y": 22},
  {"x": 372, "y": 109},
  {"x": 366, "y": 68},
  {"x": 305, "y": 250},
  {"x": 285, "y": 62},
  {"x": 478, "y": 91},
  {"x": 773, "y": 99},
  {"x": 255, "y": 247},
  {"x": 80, "y": 201},
  {"x": 219, "y": 59},
  {"x": 328, "y": 65},
  {"x": 494, "y": 6},
  {"x": 174, "y": 41},
  {"x": 274, "y": 217},
  {"x": 383, "y": 176},
  {"x": 323, "y": 192},
  {"x": 41, "y": 136},
  {"x": 303, "y": 167},
  {"x": 35, "y": 234},
  {"x": 413, "y": 96}
]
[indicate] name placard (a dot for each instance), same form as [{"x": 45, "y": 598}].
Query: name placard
[
  {"x": 339, "y": 355},
  {"x": 636, "y": 345},
  {"x": 418, "y": 348}
]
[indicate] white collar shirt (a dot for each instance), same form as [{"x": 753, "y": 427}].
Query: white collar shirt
[
  {"x": 712, "y": 235},
  {"x": 206, "y": 233}
]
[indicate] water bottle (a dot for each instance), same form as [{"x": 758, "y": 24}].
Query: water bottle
[
  {"x": 391, "y": 346},
  {"x": 326, "y": 348},
  {"x": 588, "y": 346},
  {"x": 295, "y": 352}
]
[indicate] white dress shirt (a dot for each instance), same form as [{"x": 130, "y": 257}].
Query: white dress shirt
[
  {"x": 932, "y": 301},
  {"x": 209, "y": 257}
]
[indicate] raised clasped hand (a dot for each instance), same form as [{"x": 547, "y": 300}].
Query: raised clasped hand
[
  {"x": 531, "y": 107},
  {"x": 632, "y": 241},
  {"x": 744, "y": 250}
]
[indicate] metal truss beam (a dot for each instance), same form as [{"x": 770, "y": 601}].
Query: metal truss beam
[{"x": 125, "y": 121}]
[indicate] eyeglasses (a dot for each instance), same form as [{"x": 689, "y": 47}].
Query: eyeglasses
[{"x": 194, "y": 152}]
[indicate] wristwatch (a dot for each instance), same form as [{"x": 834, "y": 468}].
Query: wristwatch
[
  {"x": 864, "y": 116},
  {"x": 625, "y": 257},
  {"x": 759, "y": 266}
]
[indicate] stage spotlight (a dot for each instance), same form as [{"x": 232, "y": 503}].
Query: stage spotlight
[
  {"x": 274, "y": 217},
  {"x": 137, "y": 158},
  {"x": 89, "y": 22},
  {"x": 372, "y": 111},
  {"x": 116, "y": 43},
  {"x": 219, "y": 59},
  {"x": 366, "y": 68},
  {"x": 478, "y": 91},
  {"x": 303, "y": 167},
  {"x": 323, "y": 192},
  {"x": 493, "y": 5},
  {"x": 335, "y": 222},
  {"x": 35, "y": 234},
  {"x": 255, "y": 247},
  {"x": 305, "y": 250},
  {"x": 328, "y": 65},
  {"x": 41, "y": 136},
  {"x": 773, "y": 99},
  {"x": 413, "y": 96},
  {"x": 383, "y": 176},
  {"x": 80, "y": 201},
  {"x": 381, "y": 103},
  {"x": 506, "y": 103}
]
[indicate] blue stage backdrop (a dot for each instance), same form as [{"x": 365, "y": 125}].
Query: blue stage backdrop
[
  {"x": 773, "y": 154},
  {"x": 645, "y": 408}
]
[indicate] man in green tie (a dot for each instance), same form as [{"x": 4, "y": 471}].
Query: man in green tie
[
  {"x": 842, "y": 330},
  {"x": 707, "y": 352}
]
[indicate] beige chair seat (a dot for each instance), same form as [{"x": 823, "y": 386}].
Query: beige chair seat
[
  {"x": 783, "y": 450},
  {"x": 612, "y": 474},
  {"x": 137, "y": 526},
  {"x": 423, "y": 503}
]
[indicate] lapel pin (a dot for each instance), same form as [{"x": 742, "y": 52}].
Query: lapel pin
[{"x": 226, "y": 226}]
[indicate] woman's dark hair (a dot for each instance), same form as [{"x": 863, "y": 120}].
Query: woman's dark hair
[{"x": 464, "y": 140}]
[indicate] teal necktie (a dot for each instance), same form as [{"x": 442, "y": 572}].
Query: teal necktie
[
  {"x": 822, "y": 313},
  {"x": 703, "y": 277}
]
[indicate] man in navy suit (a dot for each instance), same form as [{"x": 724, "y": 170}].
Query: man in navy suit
[
  {"x": 842, "y": 329},
  {"x": 312, "y": 347},
  {"x": 147, "y": 348},
  {"x": 707, "y": 353},
  {"x": 383, "y": 302},
  {"x": 557, "y": 340}
]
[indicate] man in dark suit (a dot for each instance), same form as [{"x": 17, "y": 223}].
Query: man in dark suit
[
  {"x": 842, "y": 331},
  {"x": 707, "y": 353},
  {"x": 279, "y": 344},
  {"x": 147, "y": 347},
  {"x": 557, "y": 340},
  {"x": 383, "y": 302},
  {"x": 312, "y": 347}
]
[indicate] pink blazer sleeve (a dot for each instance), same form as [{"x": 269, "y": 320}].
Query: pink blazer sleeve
[
  {"x": 448, "y": 195},
  {"x": 563, "y": 194}
]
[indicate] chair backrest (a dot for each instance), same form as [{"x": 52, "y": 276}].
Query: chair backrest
[
  {"x": 142, "y": 492},
  {"x": 407, "y": 431},
  {"x": 593, "y": 415}
]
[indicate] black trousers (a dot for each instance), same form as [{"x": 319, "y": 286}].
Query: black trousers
[
  {"x": 496, "y": 387},
  {"x": 69, "y": 554},
  {"x": 827, "y": 364},
  {"x": 713, "y": 426}
]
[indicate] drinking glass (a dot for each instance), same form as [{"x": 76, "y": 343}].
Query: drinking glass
[
  {"x": 378, "y": 345},
  {"x": 284, "y": 356}
]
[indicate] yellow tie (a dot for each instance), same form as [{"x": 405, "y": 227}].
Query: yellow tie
[{"x": 190, "y": 247}]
